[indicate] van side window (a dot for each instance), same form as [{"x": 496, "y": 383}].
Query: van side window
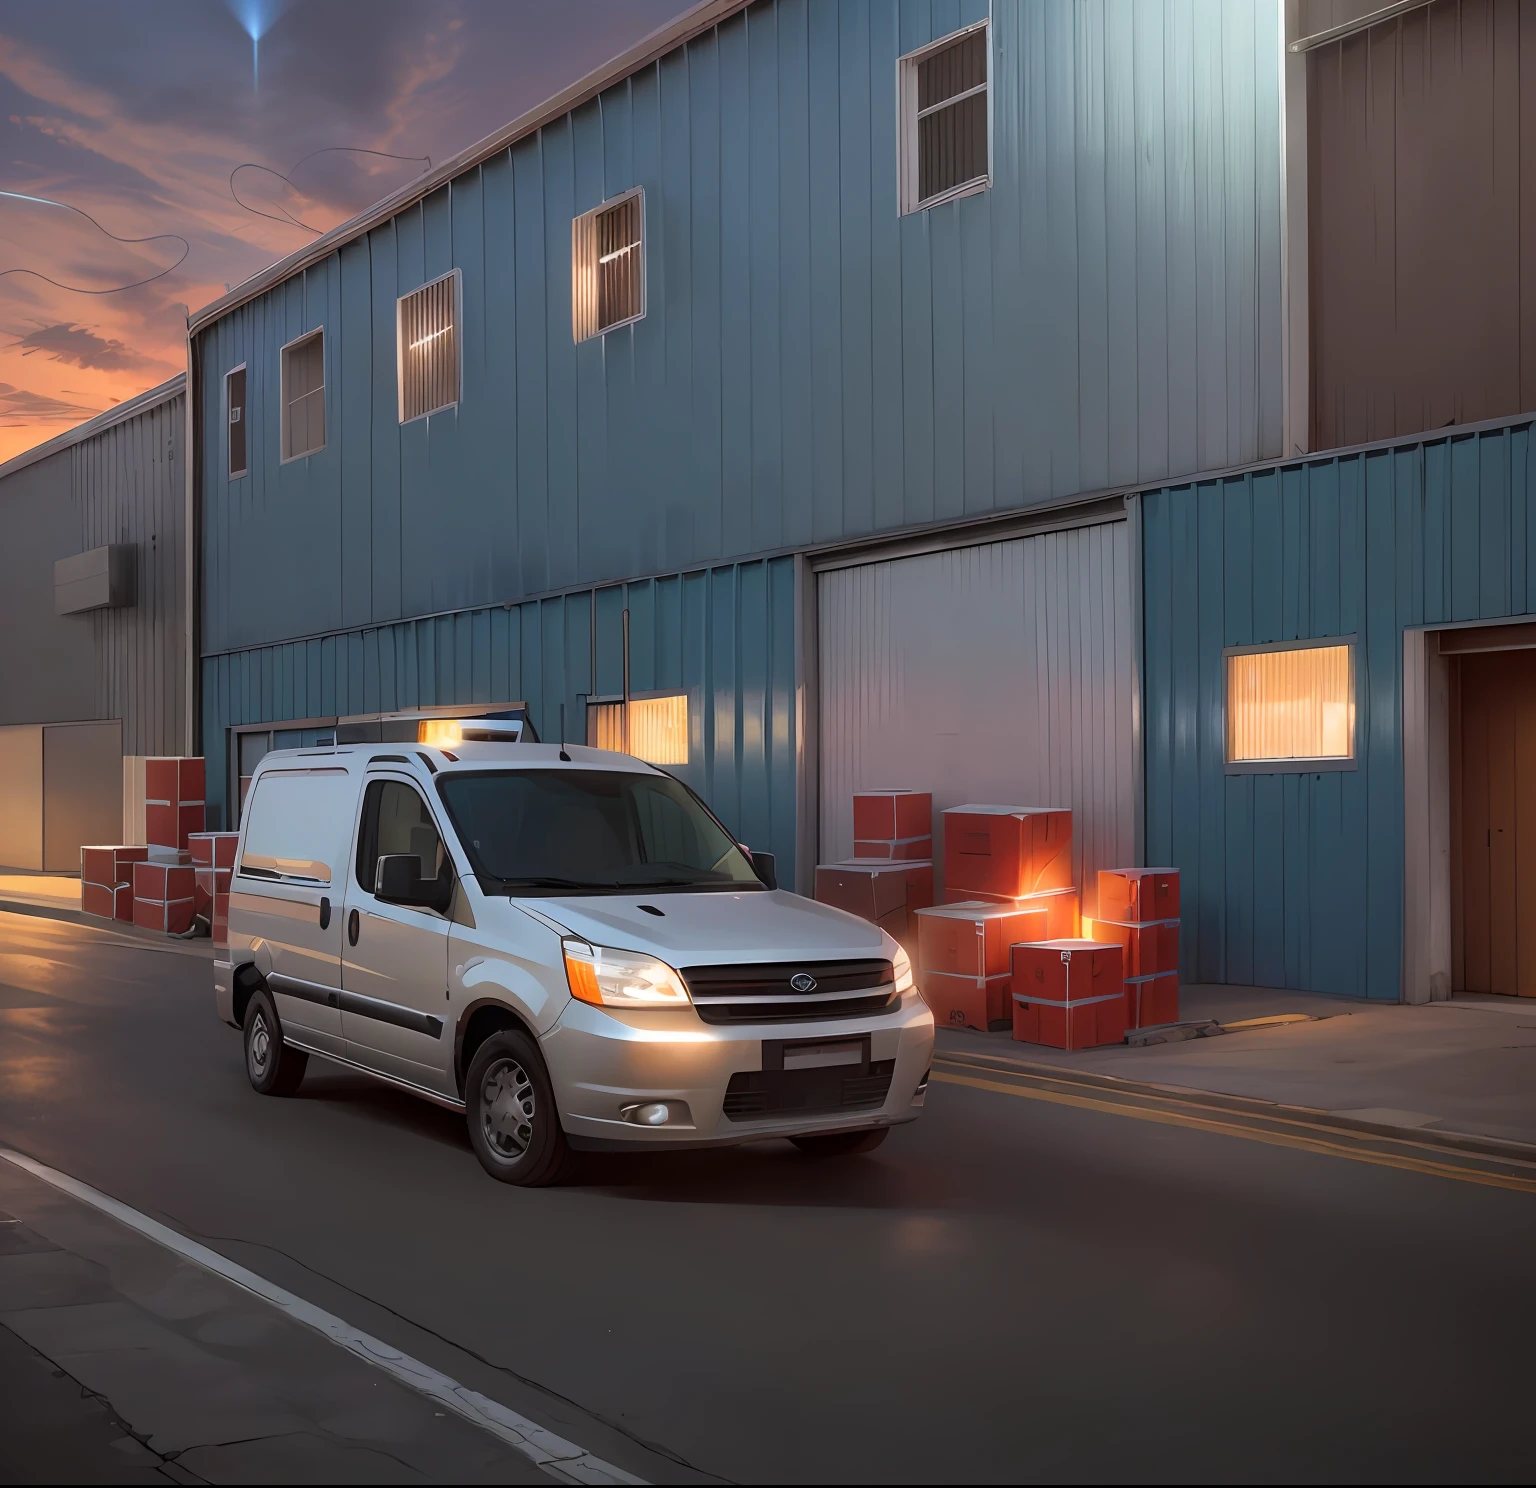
[
  {"x": 296, "y": 825},
  {"x": 396, "y": 820}
]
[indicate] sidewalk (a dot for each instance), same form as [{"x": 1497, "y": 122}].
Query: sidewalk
[
  {"x": 52, "y": 891},
  {"x": 1467, "y": 1065},
  {"x": 124, "y": 1363}
]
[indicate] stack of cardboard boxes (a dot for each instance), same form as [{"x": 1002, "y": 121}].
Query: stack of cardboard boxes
[
  {"x": 890, "y": 876},
  {"x": 213, "y": 860},
  {"x": 1003, "y": 950},
  {"x": 1139, "y": 912},
  {"x": 154, "y": 886}
]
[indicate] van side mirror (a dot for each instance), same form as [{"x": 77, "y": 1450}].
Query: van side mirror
[
  {"x": 398, "y": 880},
  {"x": 763, "y": 864}
]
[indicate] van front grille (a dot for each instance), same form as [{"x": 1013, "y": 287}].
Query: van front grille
[
  {"x": 754, "y": 1095},
  {"x": 763, "y": 994}
]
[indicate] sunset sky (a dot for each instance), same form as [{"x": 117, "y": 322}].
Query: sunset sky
[{"x": 136, "y": 112}]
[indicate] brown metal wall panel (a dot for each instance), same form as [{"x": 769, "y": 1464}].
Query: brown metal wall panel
[
  {"x": 1420, "y": 190},
  {"x": 128, "y": 487}
]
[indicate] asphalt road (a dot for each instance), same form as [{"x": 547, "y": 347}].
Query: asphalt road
[{"x": 1010, "y": 1289}]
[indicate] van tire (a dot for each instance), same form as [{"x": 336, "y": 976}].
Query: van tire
[
  {"x": 509, "y": 1105},
  {"x": 842, "y": 1144},
  {"x": 272, "y": 1066}
]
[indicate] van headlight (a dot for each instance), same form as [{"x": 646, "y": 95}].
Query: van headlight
[
  {"x": 903, "y": 966},
  {"x": 609, "y": 978}
]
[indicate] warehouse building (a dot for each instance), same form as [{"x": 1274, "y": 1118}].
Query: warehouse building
[
  {"x": 945, "y": 396},
  {"x": 778, "y": 385},
  {"x": 94, "y": 578}
]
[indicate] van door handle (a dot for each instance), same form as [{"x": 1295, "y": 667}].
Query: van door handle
[
  {"x": 353, "y": 922},
  {"x": 325, "y": 914}
]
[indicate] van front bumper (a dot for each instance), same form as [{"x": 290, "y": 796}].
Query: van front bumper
[{"x": 604, "y": 1063}]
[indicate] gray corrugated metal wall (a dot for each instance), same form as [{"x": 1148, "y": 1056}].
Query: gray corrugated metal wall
[
  {"x": 1296, "y": 880},
  {"x": 123, "y": 484},
  {"x": 812, "y": 365},
  {"x": 726, "y": 635},
  {"x": 129, "y": 487},
  {"x": 999, "y": 673}
]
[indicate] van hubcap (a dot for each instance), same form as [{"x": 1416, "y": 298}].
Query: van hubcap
[
  {"x": 260, "y": 1047},
  {"x": 507, "y": 1109}
]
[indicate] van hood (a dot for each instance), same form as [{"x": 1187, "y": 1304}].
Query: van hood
[{"x": 717, "y": 928}]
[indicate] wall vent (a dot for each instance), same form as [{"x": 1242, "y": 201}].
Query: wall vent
[
  {"x": 427, "y": 342},
  {"x": 608, "y": 266}
]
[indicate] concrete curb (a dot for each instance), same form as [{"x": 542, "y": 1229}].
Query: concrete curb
[
  {"x": 128, "y": 935},
  {"x": 1469, "y": 1142}
]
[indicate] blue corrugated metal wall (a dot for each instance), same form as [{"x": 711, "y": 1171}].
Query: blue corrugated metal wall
[
  {"x": 727, "y": 635},
  {"x": 1297, "y": 880},
  {"x": 812, "y": 365}
]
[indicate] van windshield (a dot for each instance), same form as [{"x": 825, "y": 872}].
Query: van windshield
[{"x": 589, "y": 832}]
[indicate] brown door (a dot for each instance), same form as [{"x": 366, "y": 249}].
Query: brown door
[{"x": 1494, "y": 827}]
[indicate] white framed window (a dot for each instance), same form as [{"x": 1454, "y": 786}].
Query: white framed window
[
  {"x": 1291, "y": 706},
  {"x": 944, "y": 123},
  {"x": 608, "y": 266},
  {"x": 303, "y": 396},
  {"x": 234, "y": 421},
  {"x": 427, "y": 347},
  {"x": 652, "y": 727}
]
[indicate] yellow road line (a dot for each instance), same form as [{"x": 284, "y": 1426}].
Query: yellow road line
[
  {"x": 1253, "y": 1134},
  {"x": 1170, "y": 1098}
]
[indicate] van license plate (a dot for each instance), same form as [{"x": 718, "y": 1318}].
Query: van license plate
[{"x": 822, "y": 1056}]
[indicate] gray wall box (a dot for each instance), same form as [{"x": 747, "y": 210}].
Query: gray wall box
[
  {"x": 102, "y": 507},
  {"x": 101, "y": 579},
  {"x": 61, "y": 788}
]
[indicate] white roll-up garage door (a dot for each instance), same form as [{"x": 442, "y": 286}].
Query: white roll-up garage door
[{"x": 1000, "y": 673}]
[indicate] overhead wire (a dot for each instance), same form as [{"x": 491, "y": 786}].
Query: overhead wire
[
  {"x": 47, "y": 201},
  {"x": 287, "y": 216}
]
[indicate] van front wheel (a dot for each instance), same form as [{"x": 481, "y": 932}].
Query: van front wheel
[
  {"x": 509, "y": 1104},
  {"x": 842, "y": 1144},
  {"x": 273, "y": 1067}
]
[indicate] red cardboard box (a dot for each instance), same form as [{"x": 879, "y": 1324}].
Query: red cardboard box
[
  {"x": 173, "y": 800},
  {"x": 1150, "y": 1000},
  {"x": 966, "y": 1002},
  {"x": 110, "y": 866},
  {"x": 1068, "y": 994},
  {"x": 173, "y": 778},
  {"x": 208, "y": 882},
  {"x": 170, "y": 825},
  {"x": 891, "y": 816},
  {"x": 173, "y": 917},
  {"x": 1128, "y": 894},
  {"x": 98, "y": 899},
  {"x": 1060, "y": 906},
  {"x": 873, "y": 889},
  {"x": 1006, "y": 852},
  {"x": 903, "y": 849},
  {"x": 212, "y": 849},
  {"x": 1151, "y": 946},
  {"x": 163, "y": 883},
  {"x": 972, "y": 939}
]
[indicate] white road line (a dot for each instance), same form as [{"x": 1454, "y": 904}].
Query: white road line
[{"x": 556, "y": 1456}]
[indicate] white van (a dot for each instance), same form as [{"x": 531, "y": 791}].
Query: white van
[{"x": 563, "y": 943}]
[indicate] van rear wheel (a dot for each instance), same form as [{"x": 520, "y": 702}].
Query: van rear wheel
[
  {"x": 509, "y": 1105},
  {"x": 842, "y": 1144},
  {"x": 274, "y": 1068}
]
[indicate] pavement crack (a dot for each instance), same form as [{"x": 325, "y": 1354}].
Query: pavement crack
[
  {"x": 365, "y": 1444},
  {"x": 114, "y": 1415},
  {"x": 528, "y": 1381}
]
